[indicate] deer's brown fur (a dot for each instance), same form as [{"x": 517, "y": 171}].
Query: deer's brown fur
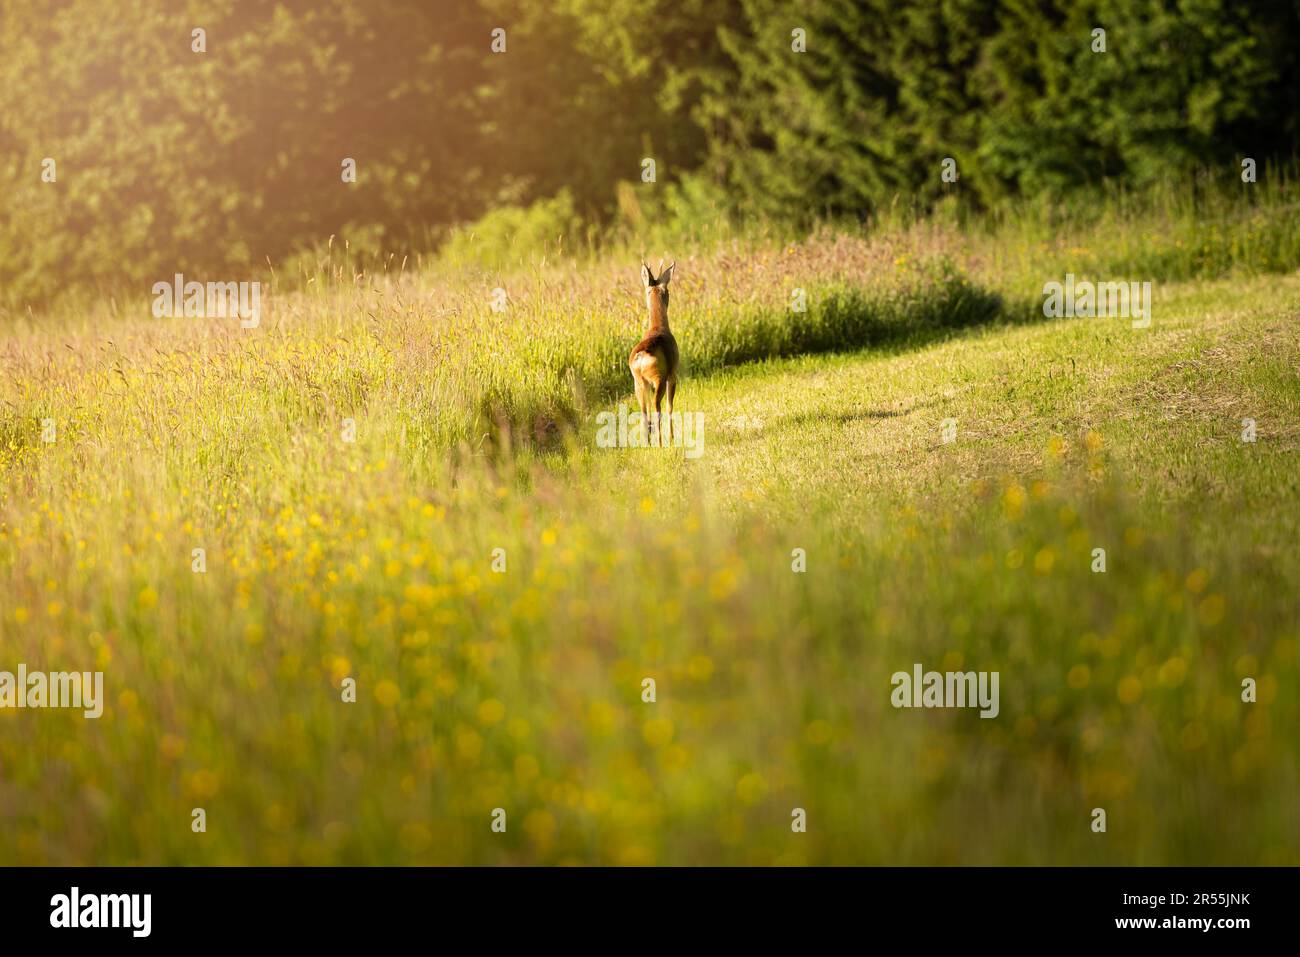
[{"x": 654, "y": 360}]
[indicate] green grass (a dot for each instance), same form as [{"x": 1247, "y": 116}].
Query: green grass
[{"x": 522, "y": 690}]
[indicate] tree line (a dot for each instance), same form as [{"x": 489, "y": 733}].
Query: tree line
[{"x": 136, "y": 141}]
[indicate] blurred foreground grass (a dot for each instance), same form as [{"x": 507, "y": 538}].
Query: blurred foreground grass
[{"x": 522, "y": 690}]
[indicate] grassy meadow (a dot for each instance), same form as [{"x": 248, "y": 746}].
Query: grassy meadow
[{"x": 521, "y": 689}]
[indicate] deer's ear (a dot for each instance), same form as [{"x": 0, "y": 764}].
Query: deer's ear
[
  {"x": 666, "y": 276},
  {"x": 647, "y": 277}
]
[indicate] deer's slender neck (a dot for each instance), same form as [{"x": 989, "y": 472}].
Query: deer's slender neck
[{"x": 658, "y": 312}]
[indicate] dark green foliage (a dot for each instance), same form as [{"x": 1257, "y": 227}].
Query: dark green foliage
[
  {"x": 216, "y": 163},
  {"x": 1012, "y": 90}
]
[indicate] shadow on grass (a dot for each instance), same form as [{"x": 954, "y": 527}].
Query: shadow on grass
[
  {"x": 856, "y": 415},
  {"x": 931, "y": 308}
]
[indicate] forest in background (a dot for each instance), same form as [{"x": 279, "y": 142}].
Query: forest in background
[{"x": 170, "y": 160}]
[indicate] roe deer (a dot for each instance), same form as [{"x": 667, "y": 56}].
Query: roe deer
[{"x": 654, "y": 360}]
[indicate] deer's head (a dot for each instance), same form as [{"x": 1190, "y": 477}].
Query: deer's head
[{"x": 656, "y": 290}]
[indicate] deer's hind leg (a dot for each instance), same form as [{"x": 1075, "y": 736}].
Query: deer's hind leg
[
  {"x": 643, "y": 401},
  {"x": 669, "y": 396},
  {"x": 661, "y": 389}
]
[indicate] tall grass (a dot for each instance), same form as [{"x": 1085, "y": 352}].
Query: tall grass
[
  {"x": 371, "y": 559},
  {"x": 522, "y": 690}
]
